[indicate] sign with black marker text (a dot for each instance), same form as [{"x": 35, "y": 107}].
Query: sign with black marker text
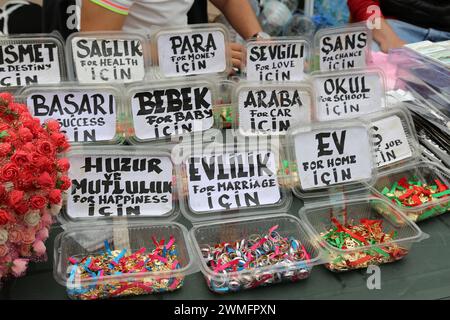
[
  {"x": 391, "y": 143},
  {"x": 219, "y": 182},
  {"x": 119, "y": 186},
  {"x": 160, "y": 113},
  {"x": 326, "y": 158},
  {"x": 340, "y": 51},
  {"x": 348, "y": 96},
  {"x": 191, "y": 53},
  {"x": 272, "y": 110},
  {"x": 108, "y": 60},
  {"x": 24, "y": 63},
  {"x": 83, "y": 116},
  {"x": 276, "y": 60}
]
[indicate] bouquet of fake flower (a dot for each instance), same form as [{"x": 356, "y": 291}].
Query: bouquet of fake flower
[{"x": 32, "y": 179}]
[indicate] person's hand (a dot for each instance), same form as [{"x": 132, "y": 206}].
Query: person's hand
[
  {"x": 237, "y": 55},
  {"x": 391, "y": 43},
  {"x": 386, "y": 37}
]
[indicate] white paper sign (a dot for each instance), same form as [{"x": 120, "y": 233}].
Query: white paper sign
[
  {"x": 343, "y": 51},
  {"x": 326, "y": 158},
  {"x": 275, "y": 60},
  {"x": 23, "y": 64},
  {"x": 119, "y": 186},
  {"x": 175, "y": 111},
  {"x": 349, "y": 96},
  {"x": 232, "y": 180},
  {"x": 191, "y": 53},
  {"x": 108, "y": 60},
  {"x": 84, "y": 117},
  {"x": 391, "y": 141},
  {"x": 266, "y": 110}
]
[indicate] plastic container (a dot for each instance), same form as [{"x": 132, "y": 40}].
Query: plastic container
[
  {"x": 224, "y": 112},
  {"x": 122, "y": 200},
  {"x": 208, "y": 235},
  {"x": 290, "y": 60},
  {"x": 227, "y": 181},
  {"x": 31, "y": 59},
  {"x": 108, "y": 57},
  {"x": 88, "y": 114},
  {"x": 426, "y": 172},
  {"x": 272, "y": 108},
  {"x": 77, "y": 243},
  {"x": 197, "y": 49},
  {"x": 318, "y": 217},
  {"x": 330, "y": 157},
  {"x": 348, "y": 94},
  {"x": 345, "y": 47},
  {"x": 163, "y": 111}
]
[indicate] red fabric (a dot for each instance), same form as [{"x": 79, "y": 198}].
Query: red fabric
[{"x": 358, "y": 9}]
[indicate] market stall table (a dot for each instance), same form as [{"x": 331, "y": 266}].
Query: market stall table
[{"x": 422, "y": 275}]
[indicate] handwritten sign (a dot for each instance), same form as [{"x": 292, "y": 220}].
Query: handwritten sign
[
  {"x": 191, "y": 53},
  {"x": 23, "y": 63},
  {"x": 83, "y": 116},
  {"x": 232, "y": 180},
  {"x": 119, "y": 186},
  {"x": 108, "y": 60},
  {"x": 160, "y": 113},
  {"x": 326, "y": 158},
  {"x": 391, "y": 141},
  {"x": 343, "y": 50},
  {"x": 275, "y": 60},
  {"x": 272, "y": 110},
  {"x": 348, "y": 96}
]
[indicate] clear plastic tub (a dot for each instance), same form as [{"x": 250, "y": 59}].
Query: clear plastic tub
[
  {"x": 343, "y": 47},
  {"x": 166, "y": 111},
  {"x": 223, "y": 108},
  {"x": 108, "y": 56},
  {"x": 114, "y": 182},
  {"x": 395, "y": 138},
  {"x": 426, "y": 172},
  {"x": 314, "y": 173},
  {"x": 197, "y": 49},
  {"x": 207, "y": 235},
  {"x": 290, "y": 63},
  {"x": 78, "y": 243},
  {"x": 318, "y": 218},
  {"x": 348, "y": 94}
]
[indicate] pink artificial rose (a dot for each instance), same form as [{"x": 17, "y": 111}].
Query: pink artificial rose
[
  {"x": 28, "y": 236},
  {"x": 42, "y": 234},
  {"x": 19, "y": 267},
  {"x": 25, "y": 250},
  {"x": 15, "y": 235},
  {"x": 47, "y": 219},
  {"x": 3, "y": 250},
  {"x": 39, "y": 247}
]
